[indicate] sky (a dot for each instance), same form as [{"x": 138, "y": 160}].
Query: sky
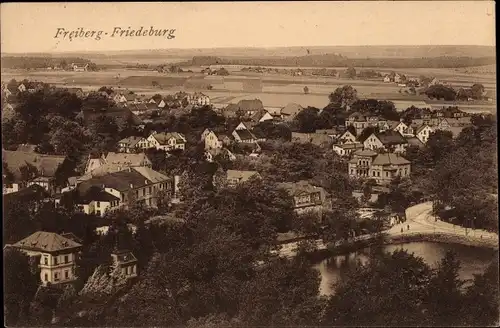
[{"x": 32, "y": 27}]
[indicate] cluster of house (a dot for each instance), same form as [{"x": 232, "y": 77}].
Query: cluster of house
[
  {"x": 13, "y": 89},
  {"x": 253, "y": 110},
  {"x": 377, "y": 155},
  {"x": 404, "y": 81},
  {"x": 166, "y": 141},
  {"x": 140, "y": 104}
]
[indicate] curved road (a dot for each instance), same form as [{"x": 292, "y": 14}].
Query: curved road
[{"x": 421, "y": 222}]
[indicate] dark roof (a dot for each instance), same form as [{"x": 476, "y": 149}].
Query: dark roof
[
  {"x": 124, "y": 256},
  {"x": 391, "y": 137},
  {"x": 45, "y": 164},
  {"x": 120, "y": 181},
  {"x": 33, "y": 192},
  {"x": 46, "y": 242},
  {"x": 152, "y": 106},
  {"x": 414, "y": 141},
  {"x": 259, "y": 134},
  {"x": 250, "y": 105},
  {"x": 389, "y": 158},
  {"x": 97, "y": 194},
  {"x": 119, "y": 114},
  {"x": 245, "y": 134},
  {"x": 164, "y": 137},
  {"x": 131, "y": 141}
]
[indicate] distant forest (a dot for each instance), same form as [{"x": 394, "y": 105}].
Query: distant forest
[
  {"x": 334, "y": 60},
  {"x": 40, "y": 62}
]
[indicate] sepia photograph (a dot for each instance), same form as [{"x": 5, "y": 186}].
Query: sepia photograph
[{"x": 249, "y": 164}]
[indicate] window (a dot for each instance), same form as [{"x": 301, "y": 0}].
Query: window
[
  {"x": 46, "y": 260},
  {"x": 98, "y": 204},
  {"x": 66, "y": 259},
  {"x": 56, "y": 276},
  {"x": 98, "y": 212},
  {"x": 133, "y": 269},
  {"x": 144, "y": 192},
  {"x": 55, "y": 260},
  {"x": 66, "y": 274},
  {"x": 46, "y": 277},
  {"x": 386, "y": 174},
  {"x": 149, "y": 190},
  {"x": 378, "y": 174}
]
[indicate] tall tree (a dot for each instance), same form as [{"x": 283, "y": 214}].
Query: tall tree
[{"x": 20, "y": 285}]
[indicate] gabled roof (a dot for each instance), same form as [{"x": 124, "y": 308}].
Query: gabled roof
[
  {"x": 390, "y": 137},
  {"x": 350, "y": 146},
  {"x": 33, "y": 192},
  {"x": 96, "y": 194},
  {"x": 241, "y": 175},
  {"x": 300, "y": 188},
  {"x": 250, "y": 105},
  {"x": 164, "y": 137},
  {"x": 124, "y": 257},
  {"x": 46, "y": 242},
  {"x": 131, "y": 141},
  {"x": 395, "y": 124},
  {"x": 151, "y": 106},
  {"x": 45, "y": 164},
  {"x": 151, "y": 175},
  {"x": 291, "y": 109},
  {"x": 127, "y": 159},
  {"x": 357, "y": 116},
  {"x": 130, "y": 97},
  {"x": 414, "y": 141},
  {"x": 365, "y": 153},
  {"x": 122, "y": 181},
  {"x": 422, "y": 127},
  {"x": 259, "y": 134},
  {"x": 245, "y": 134},
  {"x": 139, "y": 107},
  {"x": 390, "y": 159}
]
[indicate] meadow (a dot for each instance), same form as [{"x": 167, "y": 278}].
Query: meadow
[{"x": 277, "y": 89}]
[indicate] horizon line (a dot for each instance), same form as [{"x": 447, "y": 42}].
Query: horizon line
[{"x": 250, "y": 47}]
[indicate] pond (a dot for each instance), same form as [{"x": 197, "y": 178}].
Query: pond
[{"x": 473, "y": 260}]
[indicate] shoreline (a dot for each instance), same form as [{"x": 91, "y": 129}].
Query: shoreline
[{"x": 442, "y": 238}]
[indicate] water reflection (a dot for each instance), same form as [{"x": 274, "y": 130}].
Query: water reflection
[{"x": 473, "y": 260}]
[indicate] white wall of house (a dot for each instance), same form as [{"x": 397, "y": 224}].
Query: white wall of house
[
  {"x": 55, "y": 268},
  {"x": 10, "y": 188}
]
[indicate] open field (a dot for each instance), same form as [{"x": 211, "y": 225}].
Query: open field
[{"x": 277, "y": 89}]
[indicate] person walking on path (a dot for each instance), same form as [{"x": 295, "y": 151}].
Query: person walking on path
[
  {"x": 408, "y": 226},
  {"x": 401, "y": 229}
]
